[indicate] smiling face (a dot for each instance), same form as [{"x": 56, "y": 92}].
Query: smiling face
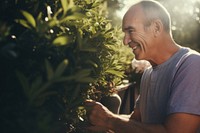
[{"x": 137, "y": 36}]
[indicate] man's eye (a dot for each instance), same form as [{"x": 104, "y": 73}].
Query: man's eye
[{"x": 130, "y": 31}]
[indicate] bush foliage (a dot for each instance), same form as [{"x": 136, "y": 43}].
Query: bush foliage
[{"x": 54, "y": 55}]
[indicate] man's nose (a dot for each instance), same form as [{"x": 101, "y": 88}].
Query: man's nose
[{"x": 126, "y": 40}]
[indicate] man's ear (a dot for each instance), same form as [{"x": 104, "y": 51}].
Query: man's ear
[{"x": 157, "y": 27}]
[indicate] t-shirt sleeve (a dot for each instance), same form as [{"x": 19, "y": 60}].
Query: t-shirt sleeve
[{"x": 185, "y": 90}]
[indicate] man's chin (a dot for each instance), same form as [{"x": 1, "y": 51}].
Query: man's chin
[{"x": 137, "y": 57}]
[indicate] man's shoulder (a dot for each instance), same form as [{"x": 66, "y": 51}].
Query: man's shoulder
[
  {"x": 189, "y": 51},
  {"x": 190, "y": 55}
]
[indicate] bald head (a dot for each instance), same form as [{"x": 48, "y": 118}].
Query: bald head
[{"x": 152, "y": 10}]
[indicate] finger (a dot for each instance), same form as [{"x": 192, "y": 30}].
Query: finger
[{"x": 89, "y": 103}]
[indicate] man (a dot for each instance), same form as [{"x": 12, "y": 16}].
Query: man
[{"x": 169, "y": 100}]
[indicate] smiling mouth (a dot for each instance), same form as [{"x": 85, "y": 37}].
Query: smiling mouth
[{"x": 135, "y": 47}]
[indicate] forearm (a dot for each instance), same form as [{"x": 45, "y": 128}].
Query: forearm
[{"x": 124, "y": 125}]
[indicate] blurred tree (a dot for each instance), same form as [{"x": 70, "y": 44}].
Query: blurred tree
[
  {"x": 185, "y": 21},
  {"x": 113, "y": 7}
]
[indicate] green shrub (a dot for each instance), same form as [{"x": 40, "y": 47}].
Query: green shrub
[{"x": 55, "y": 55}]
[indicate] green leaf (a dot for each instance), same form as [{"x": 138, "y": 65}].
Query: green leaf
[
  {"x": 74, "y": 16},
  {"x": 83, "y": 73},
  {"x": 92, "y": 63},
  {"x": 114, "y": 72},
  {"x": 75, "y": 9},
  {"x": 23, "y": 23},
  {"x": 109, "y": 26},
  {"x": 96, "y": 3},
  {"x": 61, "y": 40},
  {"x": 29, "y": 18},
  {"x": 61, "y": 67},
  {"x": 36, "y": 84},
  {"x": 53, "y": 22},
  {"x": 83, "y": 76},
  {"x": 64, "y": 5},
  {"x": 41, "y": 90},
  {"x": 70, "y": 4},
  {"x": 79, "y": 37},
  {"x": 39, "y": 17},
  {"x": 49, "y": 70},
  {"x": 111, "y": 46},
  {"x": 56, "y": 14}
]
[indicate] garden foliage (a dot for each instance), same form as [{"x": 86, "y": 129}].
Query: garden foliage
[{"x": 54, "y": 55}]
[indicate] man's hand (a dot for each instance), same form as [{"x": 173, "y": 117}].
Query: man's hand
[{"x": 98, "y": 116}]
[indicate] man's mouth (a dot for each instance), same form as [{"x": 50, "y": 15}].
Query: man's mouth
[{"x": 135, "y": 47}]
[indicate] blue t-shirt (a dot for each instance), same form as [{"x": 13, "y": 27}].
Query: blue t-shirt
[{"x": 171, "y": 87}]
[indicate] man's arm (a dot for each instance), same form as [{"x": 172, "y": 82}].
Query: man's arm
[
  {"x": 175, "y": 123},
  {"x": 100, "y": 116}
]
